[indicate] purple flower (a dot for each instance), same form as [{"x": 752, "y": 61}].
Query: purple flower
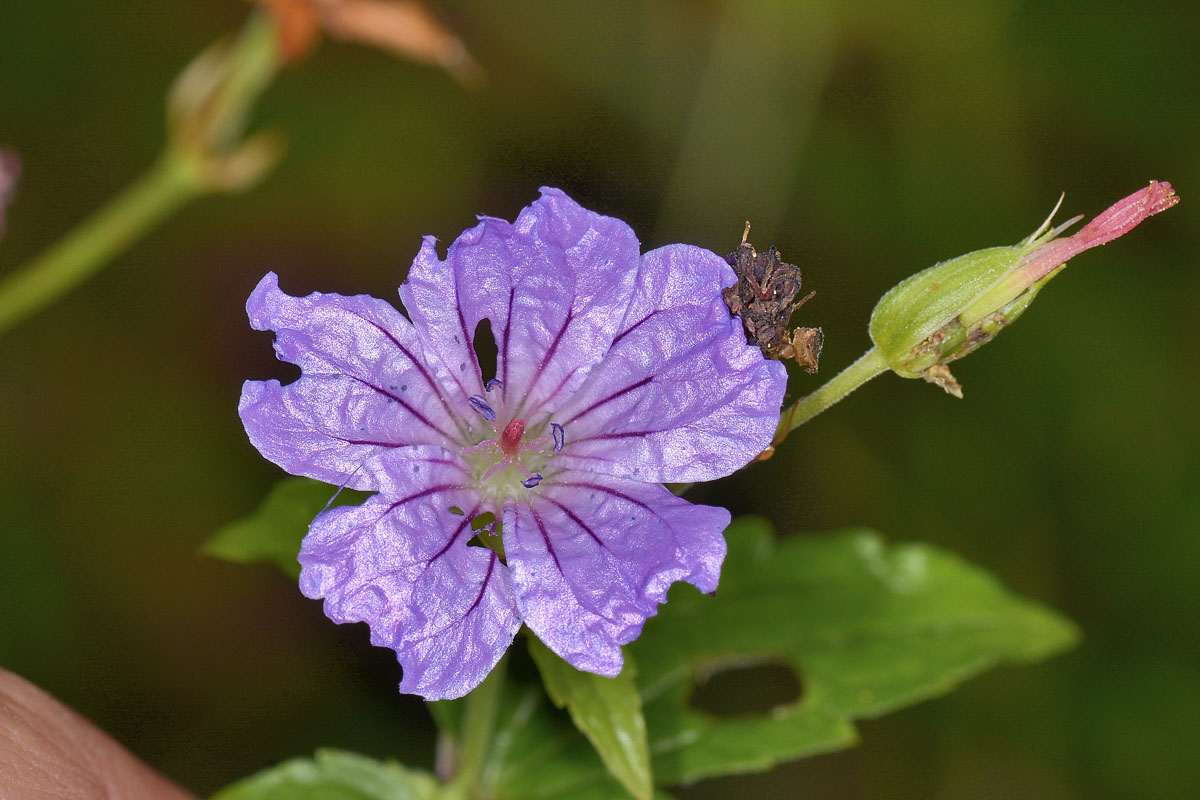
[
  {"x": 10, "y": 171},
  {"x": 616, "y": 372}
]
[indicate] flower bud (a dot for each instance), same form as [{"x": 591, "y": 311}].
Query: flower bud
[
  {"x": 208, "y": 106},
  {"x": 947, "y": 311}
]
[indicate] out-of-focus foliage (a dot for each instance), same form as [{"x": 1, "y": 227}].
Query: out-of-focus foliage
[
  {"x": 272, "y": 534},
  {"x": 333, "y": 775},
  {"x": 866, "y": 139}
]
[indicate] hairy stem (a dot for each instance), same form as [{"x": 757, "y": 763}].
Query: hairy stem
[{"x": 869, "y": 364}]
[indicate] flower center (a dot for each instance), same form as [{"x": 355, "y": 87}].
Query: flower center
[{"x": 492, "y": 457}]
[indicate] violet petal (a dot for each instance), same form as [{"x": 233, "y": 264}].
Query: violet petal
[
  {"x": 400, "y": 562},
  {"x": 680, "y": 396},
  {"x": 431, "y": 298},
  {"x": 554, "y": 285},
  {"x": 592, "y": 556},
  {"x": 363, "y": 390}
]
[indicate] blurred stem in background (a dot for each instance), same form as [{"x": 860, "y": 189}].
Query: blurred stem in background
[
  {"x": 207, "y": 115},
  {"x": 206, "y": 152},
  {"x": 112, "y": 229}
]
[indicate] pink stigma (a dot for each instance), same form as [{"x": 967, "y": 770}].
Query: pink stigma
[{"x": 510, "y": 439}]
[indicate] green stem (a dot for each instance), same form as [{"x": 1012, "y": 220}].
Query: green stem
[
  {"x": 869, "y": 364},
  {"x": 478, "y": 724},
  {"x": 103, "y": 236}
]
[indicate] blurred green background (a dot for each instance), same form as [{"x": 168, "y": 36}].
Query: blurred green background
[{"x": 865, "y": 139}]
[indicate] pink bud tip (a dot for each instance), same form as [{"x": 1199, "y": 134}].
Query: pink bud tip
[
  {"x": 1125, "y": 215},
  {"x": 1118, "y": 220}
]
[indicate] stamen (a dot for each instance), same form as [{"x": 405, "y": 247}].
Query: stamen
[
  {"x": 532, "y": 481},
  {"x": 480, "y": 405},
  {"x": 560, "y": 436},
  {"x": 493, "y": 384}
]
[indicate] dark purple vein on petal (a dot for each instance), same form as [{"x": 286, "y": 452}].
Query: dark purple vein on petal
[
  {"x": 486, "y": 580},
  {"x": 624, "y": 435},
  {"x": 587, "y": 606},
  {"x": 546, "y": 400},
  {"x": 443, "y": 487},
  {"x": 367, "y": 441},
  {"x": 421, "y": 417},
  {"x": 466, "y": 521},
  {"x": 610, "y": 398},
  {"x": 583, "y": 525},
  {"x": 462, "y": 324},
  {"x": 504, "y": 348},
  {"x": 470, "y": 609},
  {"x": 437, "y": 389},
  {"x": 546, "y": 538},
  {"x": 632, "y": 328},
  {"x": 610, "y": 491},
  {"x": 550, "y": 351}
]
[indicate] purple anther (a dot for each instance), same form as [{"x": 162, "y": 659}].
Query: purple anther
[
  {"x": 560, "y": 436},
  {"x": 480, "y": 405},
  {"x": 532, "y": 481},
  {"x": 493, "y": 384}
]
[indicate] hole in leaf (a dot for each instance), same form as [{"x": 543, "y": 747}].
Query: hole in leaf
[
  {"x": 485, "y": 350},
  {"x": 740, "y": 688}
]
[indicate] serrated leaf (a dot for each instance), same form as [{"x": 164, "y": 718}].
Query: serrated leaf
[
  {"x": 334, "y": 775},
  {"x": 273, "y": 532},
  {"x": 608, "y": 711},
  {"x": 866, "y": 626}
]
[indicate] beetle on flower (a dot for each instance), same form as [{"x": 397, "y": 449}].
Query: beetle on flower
[{"x": 616, "y": 372}]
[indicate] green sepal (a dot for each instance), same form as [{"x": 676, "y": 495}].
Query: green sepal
[{"x": 914, "y": 311}]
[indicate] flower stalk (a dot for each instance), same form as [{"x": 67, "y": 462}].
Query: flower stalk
[
  {"x": 478, "y": 725},
  {"x": 100, "y": 238},
  {"x": 869, "y": 365},
  {"x": 207, "y": 111}
]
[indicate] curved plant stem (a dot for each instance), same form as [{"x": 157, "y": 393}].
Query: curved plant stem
[
  {"x": 478, "y": 725},
  {"x": 96, "y": 241},
  {"x": 869, "y": 364}
]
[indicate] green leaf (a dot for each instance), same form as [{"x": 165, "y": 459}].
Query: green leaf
[
  {"x": 334, "y": 775},
  {"x": 607, "y": 710},
  {"x": 538, "y": 754},
  {"x": 273, "y": 532},
  {"x": 866, "y": 627}
]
